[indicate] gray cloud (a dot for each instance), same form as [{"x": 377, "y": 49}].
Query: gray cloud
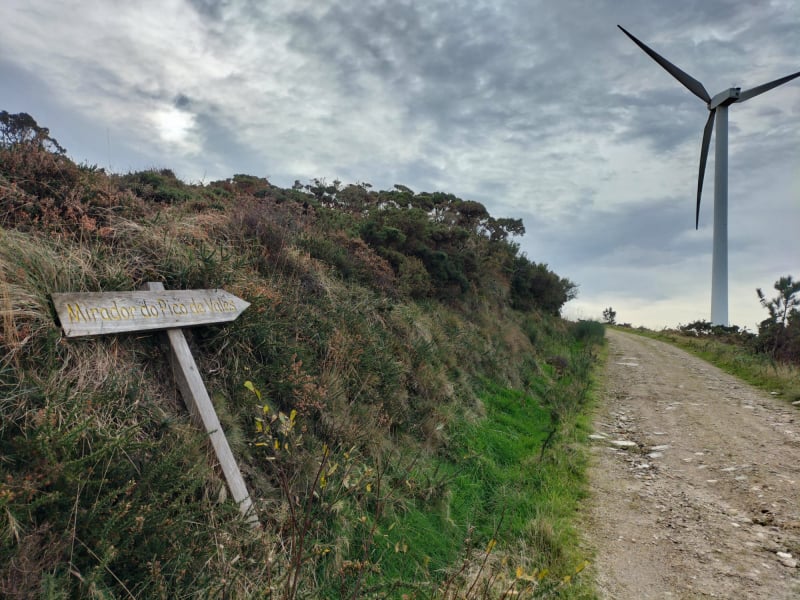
[{"x": 541, "y": 110}]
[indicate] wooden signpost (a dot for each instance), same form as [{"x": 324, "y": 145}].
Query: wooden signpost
[
  {"x": 154, "y": 308},
  {"x": 101, "y": 313}
]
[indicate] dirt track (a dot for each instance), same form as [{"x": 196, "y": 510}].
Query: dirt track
[{"x": 709, "y": 494}]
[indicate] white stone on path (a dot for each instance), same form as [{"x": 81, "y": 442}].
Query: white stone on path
[
  {"x": 787, "y": 559},
  {"x": 624, "y": 443}
]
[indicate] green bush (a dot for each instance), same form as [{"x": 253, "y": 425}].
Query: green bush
[
  {"x": 535, "y": 286},
  {"x": 156, "y": 186}
]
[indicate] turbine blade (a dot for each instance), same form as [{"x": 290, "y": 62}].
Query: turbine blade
[
  {"x": 689, "y": 82},
  {"x": 703, "y": 159},
  {"x": 765, "y": 87}
]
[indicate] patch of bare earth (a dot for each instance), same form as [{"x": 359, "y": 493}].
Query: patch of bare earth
[{"x": 695, "y": 481}]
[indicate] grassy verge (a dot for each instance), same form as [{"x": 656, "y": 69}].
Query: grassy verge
[
  {"x": 502, "y": 510},
  {"x": 757, "y": 369},
  {"x": 490, "y": 515}
]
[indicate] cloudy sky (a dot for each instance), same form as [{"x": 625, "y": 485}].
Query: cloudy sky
[{"x": 542, "y": 110}]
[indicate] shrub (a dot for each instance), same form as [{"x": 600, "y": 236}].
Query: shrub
[
  {"x": 535, "y": 286},
  {"x": 415, "y": 281},
  {"x": 156, "y": 186}
]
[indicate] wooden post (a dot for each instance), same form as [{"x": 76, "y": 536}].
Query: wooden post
[{"x": 198, "y": 402}]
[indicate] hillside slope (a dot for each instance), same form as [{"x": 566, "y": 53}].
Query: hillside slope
[{"x": 401, "y": 396}]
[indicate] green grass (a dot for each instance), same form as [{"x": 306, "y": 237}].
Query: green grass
[
  {"x": 493, "y": 472},
  {"x": 501, "y": 488}
]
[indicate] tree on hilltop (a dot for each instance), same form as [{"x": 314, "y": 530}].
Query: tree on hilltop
[
  {"x": 779, "y": 335},
  {"x": 785, "y": 303},
  {"x": 21, "y": 128}
]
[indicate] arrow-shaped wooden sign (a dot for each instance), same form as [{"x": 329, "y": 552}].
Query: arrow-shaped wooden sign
[{"x": 101, "y": 313}]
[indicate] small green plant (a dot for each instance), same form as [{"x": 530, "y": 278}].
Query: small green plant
[{"x": 336, "y": 484}]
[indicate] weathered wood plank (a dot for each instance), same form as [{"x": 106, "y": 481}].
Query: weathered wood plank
[
  {"x": 197, "y": 400},
  {"x": 100, "y": 313}
]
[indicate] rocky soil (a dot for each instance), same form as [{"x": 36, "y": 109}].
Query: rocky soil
[{"x": 695, "y": 481}]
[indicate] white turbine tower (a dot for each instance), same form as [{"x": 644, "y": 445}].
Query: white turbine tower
[{"x": 718, "y": 105}]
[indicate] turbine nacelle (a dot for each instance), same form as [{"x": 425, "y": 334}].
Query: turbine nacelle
[{"x": 725, "y": 98}]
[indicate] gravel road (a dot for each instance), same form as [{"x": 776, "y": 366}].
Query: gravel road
[{"x": 695, "y": 481}]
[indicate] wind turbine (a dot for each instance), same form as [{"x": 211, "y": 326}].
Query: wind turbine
[{"x": 718, "y": 107}]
